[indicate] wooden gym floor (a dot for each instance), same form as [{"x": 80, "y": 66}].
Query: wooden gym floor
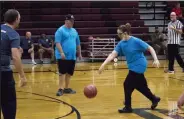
[{"x": 38, "y": 100}]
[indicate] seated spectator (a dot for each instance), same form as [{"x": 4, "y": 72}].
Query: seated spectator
[
  {"x": 46, "y": 45},
  {"x": 158, "y": 41},
  {"x": 178, "y": 12},
  {"x": 28, "y": 46}
]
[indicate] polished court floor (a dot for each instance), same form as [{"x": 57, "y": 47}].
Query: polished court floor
[{"x": 38, "y": 100}]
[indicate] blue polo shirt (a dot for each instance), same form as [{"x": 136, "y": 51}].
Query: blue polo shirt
[
  {"x": 9, "y": 39},
  {"x": 69, "y": 40},
  {"x": 45, "y": 43},
  {"x": 133, "y": 49}
]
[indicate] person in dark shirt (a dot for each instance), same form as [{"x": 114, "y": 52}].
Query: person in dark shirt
[
  {"x": 10, "y": 47},
  {"x": 46, "y": 45},
  {"x": 28, "y": 45}
]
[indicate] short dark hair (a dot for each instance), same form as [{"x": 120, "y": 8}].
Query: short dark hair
[{"x": 10, "y": 16}]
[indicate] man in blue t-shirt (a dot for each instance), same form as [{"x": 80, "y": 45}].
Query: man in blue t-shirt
[
  {"x": 28, "y": 46},
  {"x": 46, "y": 45},
  {"x": 67, "y": 43},
  {"x": 10, "y": 47}
]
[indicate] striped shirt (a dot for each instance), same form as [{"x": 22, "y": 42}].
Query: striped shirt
[{"x": 173, "y": 36}]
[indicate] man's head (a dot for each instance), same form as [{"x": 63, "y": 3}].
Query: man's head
[
  {"x": 69, "y": 21},
  {"x": 12, "y": 17},
  {"x": 173, "y": 16},
  {"x": 43, "y": 36},
  {"x": 28, "y": 35}
]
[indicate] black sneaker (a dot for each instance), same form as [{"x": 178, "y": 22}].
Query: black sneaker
[
  {"x": 155, "y": 103},
  {"x": 125, "y": 110},
  {"x": 41, "y": 62},
  {"x": 69, "y": 91},
  {"x": 60, "y": 92}
]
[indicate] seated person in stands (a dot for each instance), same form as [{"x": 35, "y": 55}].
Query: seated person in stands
[
  {"x": 158, "y": 41},
  {"x": 28, "y": 46},
  {"x": 178, "y": 12},
  {"x": 46, "y": 45}
]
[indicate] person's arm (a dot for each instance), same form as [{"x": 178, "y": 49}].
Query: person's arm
[
  {"x": 111, "y": 56},
  {"x": 78, "y": 47},
  {"x": 16, "y": 56},
  {"x": 144, "y": 46},
  {"x": 117, "y": 51},
  {"x": 40, "y": 44},
  {"x": 58, "y": 38},
  {"x": 178, "y": 28}
]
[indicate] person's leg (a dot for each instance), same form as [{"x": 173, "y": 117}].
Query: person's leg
[
  {"x": 178, "y": 57},
  {"x": 128, "y": 89},
  {"x": 171, "y": 57},
  {"x": 31, "y": 52},
  {"x": 8, "y": 95},
  {"x": 70, "y": 72},
  {"x": 51, "y": 51},
  {"x": 41, "y": 51},
  {"x": 142, "y": 87},
  {"x": 62, "y": 74}
]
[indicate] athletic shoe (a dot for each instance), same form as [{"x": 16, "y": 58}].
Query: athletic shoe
[
  {"x": 155, "y": 103},
  {"x": 60, "y": 92},
  {"x": 125, "y": 110},
  {"x": 69, "y": 91},
  {"x": 41, "y": 62},
  {"x": 33, "y": 62},
  {"x": 169, "y": 72}
]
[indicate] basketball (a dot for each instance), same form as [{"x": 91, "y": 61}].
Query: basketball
[{"x": 90, "y": 91}]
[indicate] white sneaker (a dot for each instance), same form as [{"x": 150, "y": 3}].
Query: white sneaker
[
  {"x": 170, "y": 72},
  {"x": 34, "y": 63}
]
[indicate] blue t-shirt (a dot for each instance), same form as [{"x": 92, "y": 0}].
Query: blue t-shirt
[
  {"x": 133, "y": 50},
  {"x": 26, "y": 43},
  {"x": 69, "y": 40},
  {"x": 9, "y": 39}
]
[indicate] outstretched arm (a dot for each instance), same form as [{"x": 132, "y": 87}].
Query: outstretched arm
[
  {"x": 111, "y": 56},
  {"x": 152, "y": 51}
]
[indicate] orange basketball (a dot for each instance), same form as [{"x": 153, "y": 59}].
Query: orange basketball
[{"x": 90, "y": 91}]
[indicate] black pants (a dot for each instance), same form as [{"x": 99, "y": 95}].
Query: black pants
[
  {"x": 8, "y": 95},
  {"x": 173, "y": 52},
  {"x": 136, "y": 81}
]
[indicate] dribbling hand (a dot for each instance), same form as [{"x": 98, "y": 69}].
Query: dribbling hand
[
  {"x": 101, "y": 69},
  {"x": 156, "y": 63}
]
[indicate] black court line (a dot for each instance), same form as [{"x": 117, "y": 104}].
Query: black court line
[{"x": 73, "y": 109}]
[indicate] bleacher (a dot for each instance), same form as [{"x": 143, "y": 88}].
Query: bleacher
[
  {"x": 98, "y": 19},
  {"x": 92, "y": 18}
]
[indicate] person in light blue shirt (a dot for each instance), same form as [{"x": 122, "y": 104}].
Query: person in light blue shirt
[
  {"x": 133, "y": 49},
  {"x": 67, "y": 44}
]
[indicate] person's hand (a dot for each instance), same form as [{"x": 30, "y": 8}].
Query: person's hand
[
  {"x": 101, "y": 69},
  {"x": 80, "y": 57},
  {"x": 23, "y": 81},
  {"x": 21, "y": 50},
  {"x": 180, "y": 102},
  {"x": 63, "y": 56},
  {"x": 171, "y": 27},
  {"x": 156, "y": 63}
]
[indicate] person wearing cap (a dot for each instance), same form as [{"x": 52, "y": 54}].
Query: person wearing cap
[{"x": 67, "y": 45}]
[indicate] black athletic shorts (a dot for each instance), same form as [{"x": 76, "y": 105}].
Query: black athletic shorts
[{"x": 66, "y": 66}]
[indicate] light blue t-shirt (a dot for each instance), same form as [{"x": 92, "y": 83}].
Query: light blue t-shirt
[
  {"x": 133, "y": 50},
  {"x": 69, "y": 40}
]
